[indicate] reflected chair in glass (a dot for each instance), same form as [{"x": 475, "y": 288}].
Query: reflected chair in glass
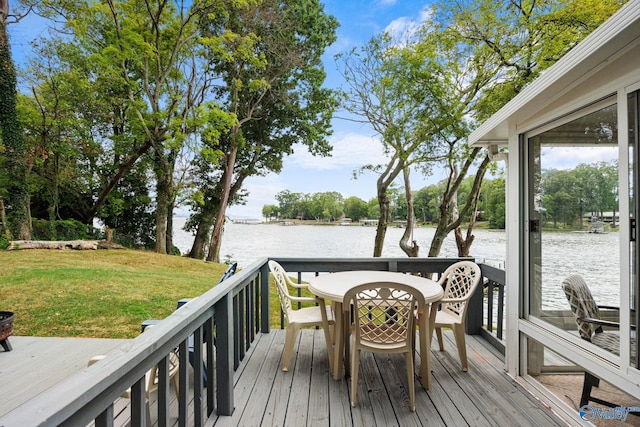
[
  {"x": 459, "y": 281},
  {"x": 383, "y": 322},
  {"x": 588, "y": 317},
  {"x": 318, "y": 315}
]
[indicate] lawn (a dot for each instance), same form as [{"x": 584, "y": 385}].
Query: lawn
[{"x": 103, "y": 293}]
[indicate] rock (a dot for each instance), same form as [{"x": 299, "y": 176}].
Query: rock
[{"x": 65, "y": 244}]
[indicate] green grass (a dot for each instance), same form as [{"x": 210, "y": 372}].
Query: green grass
[{"x": 104, "y": 293}]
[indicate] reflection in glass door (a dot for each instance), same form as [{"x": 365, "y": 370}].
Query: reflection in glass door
[{"x": 573, "y": 214}]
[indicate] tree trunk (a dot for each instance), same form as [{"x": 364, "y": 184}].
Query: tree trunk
[
  {"x": 169, "y": 234},
  {"x": 383, "y": 220},
  {"x": 412, "y": 249},
  {"x": 445, "y": 224},
  {"x": 162, "y": 205},
  {"x": 216, "y": 235},
  {"x": 202, "y": 235},
  {"x": 4, "y": 229},
  {"x": 464, "y": 244}
]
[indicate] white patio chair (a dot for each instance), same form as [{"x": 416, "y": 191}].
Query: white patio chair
[
  {"x": 318, "y": 315},
  {"x": 383, "y": 322},
  {"x": 151, "y": 377},
  {"x": 459, "y": 282}
]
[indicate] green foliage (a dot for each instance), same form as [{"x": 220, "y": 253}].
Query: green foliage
[
  {"x": 355, "y": 208},
  {"x": 4, "y": 242},
  {"x": 268, "y": 55},
  {"x": 15, "y": 149},
  {"x": 493, "y": 203},
  {"x": 510, "y": 43},
  {"x": 63, "y": 230},
  {"x": 270, "y": 212}
]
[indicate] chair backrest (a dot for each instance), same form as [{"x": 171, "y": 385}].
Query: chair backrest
[
  {"x": 459, "y": 281},
  {"x": 383, "y": 313},
  {"x": 582, "y": 305},
  {"x": 280, "y": 277},
  {"x": 230, "y": 272}
]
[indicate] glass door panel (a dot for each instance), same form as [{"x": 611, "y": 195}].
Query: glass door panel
[
  {"x": 573, "y": 214},
  {"x": 634, "y": 181}
]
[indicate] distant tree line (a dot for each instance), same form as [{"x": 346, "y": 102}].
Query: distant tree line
[
  {"x": 569, "y": 198},
  {"x": 333, "y": 206}
]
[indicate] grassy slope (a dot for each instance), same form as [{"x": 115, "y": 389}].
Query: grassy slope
[{"x": 104, "y": 293}]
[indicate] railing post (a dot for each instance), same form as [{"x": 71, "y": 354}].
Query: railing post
[
  {"x": 264, "y": 298},
  {"x": 473, "y": 323},
  {"x": 224, "y": 354}
]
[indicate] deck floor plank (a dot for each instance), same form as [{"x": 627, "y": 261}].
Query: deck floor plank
[
  {"x": 393, "y": 372},
  {"x": 37, "y": 363},
  {"x": 298, "y": 407},
  {"x": 254, "y": 379},
  {"x": 491, "y": 369},
  {"x": 278, "y": 399},
  {"x": 318, "y": 415}
]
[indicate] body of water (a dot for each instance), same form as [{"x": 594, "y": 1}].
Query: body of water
[
  {"x": 245, "y": 242},
  {"x": 595, "y": 256}
]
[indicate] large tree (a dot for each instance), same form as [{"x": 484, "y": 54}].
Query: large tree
[
  {"x": 144, "y": 57},
  {"x": 269, "y": 57},
  {"x": 400, "y": 94},
  {"x": 12, "y": 143},
  {"x": 421, "y": 93}
]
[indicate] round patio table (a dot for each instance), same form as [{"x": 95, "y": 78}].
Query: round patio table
[{"x": 333, "y": 287}]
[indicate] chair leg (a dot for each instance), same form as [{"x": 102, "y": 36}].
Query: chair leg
[
  {"x": 458, "y": 332},
  {"x": 589, "y": 382},
  {"x": 440, "y": 340},
  {"x": 290, "y": 341},
  {"x": 411, "y": 381},
  {"x": 355, "y": 367},
  {"x": 148, "y": 412},
  {"x": 329, "y": 341},
  {"x": 328, "y": 335},
  {"x": 176, "y": 382}
]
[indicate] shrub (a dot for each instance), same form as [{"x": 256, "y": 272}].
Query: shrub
[{"x": 69, "y": 229}]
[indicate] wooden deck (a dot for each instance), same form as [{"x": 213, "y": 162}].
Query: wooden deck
[
  {"x": 37, "y": 363},
  {"x": 307, "y": 395}
]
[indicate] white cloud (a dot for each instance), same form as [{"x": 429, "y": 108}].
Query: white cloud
[
  {"x": 349, "y": 150},
  {"x": 570, "y": 157},
  {"x": 387, "y": 3},
  {"x": 406, "y": 26}
]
